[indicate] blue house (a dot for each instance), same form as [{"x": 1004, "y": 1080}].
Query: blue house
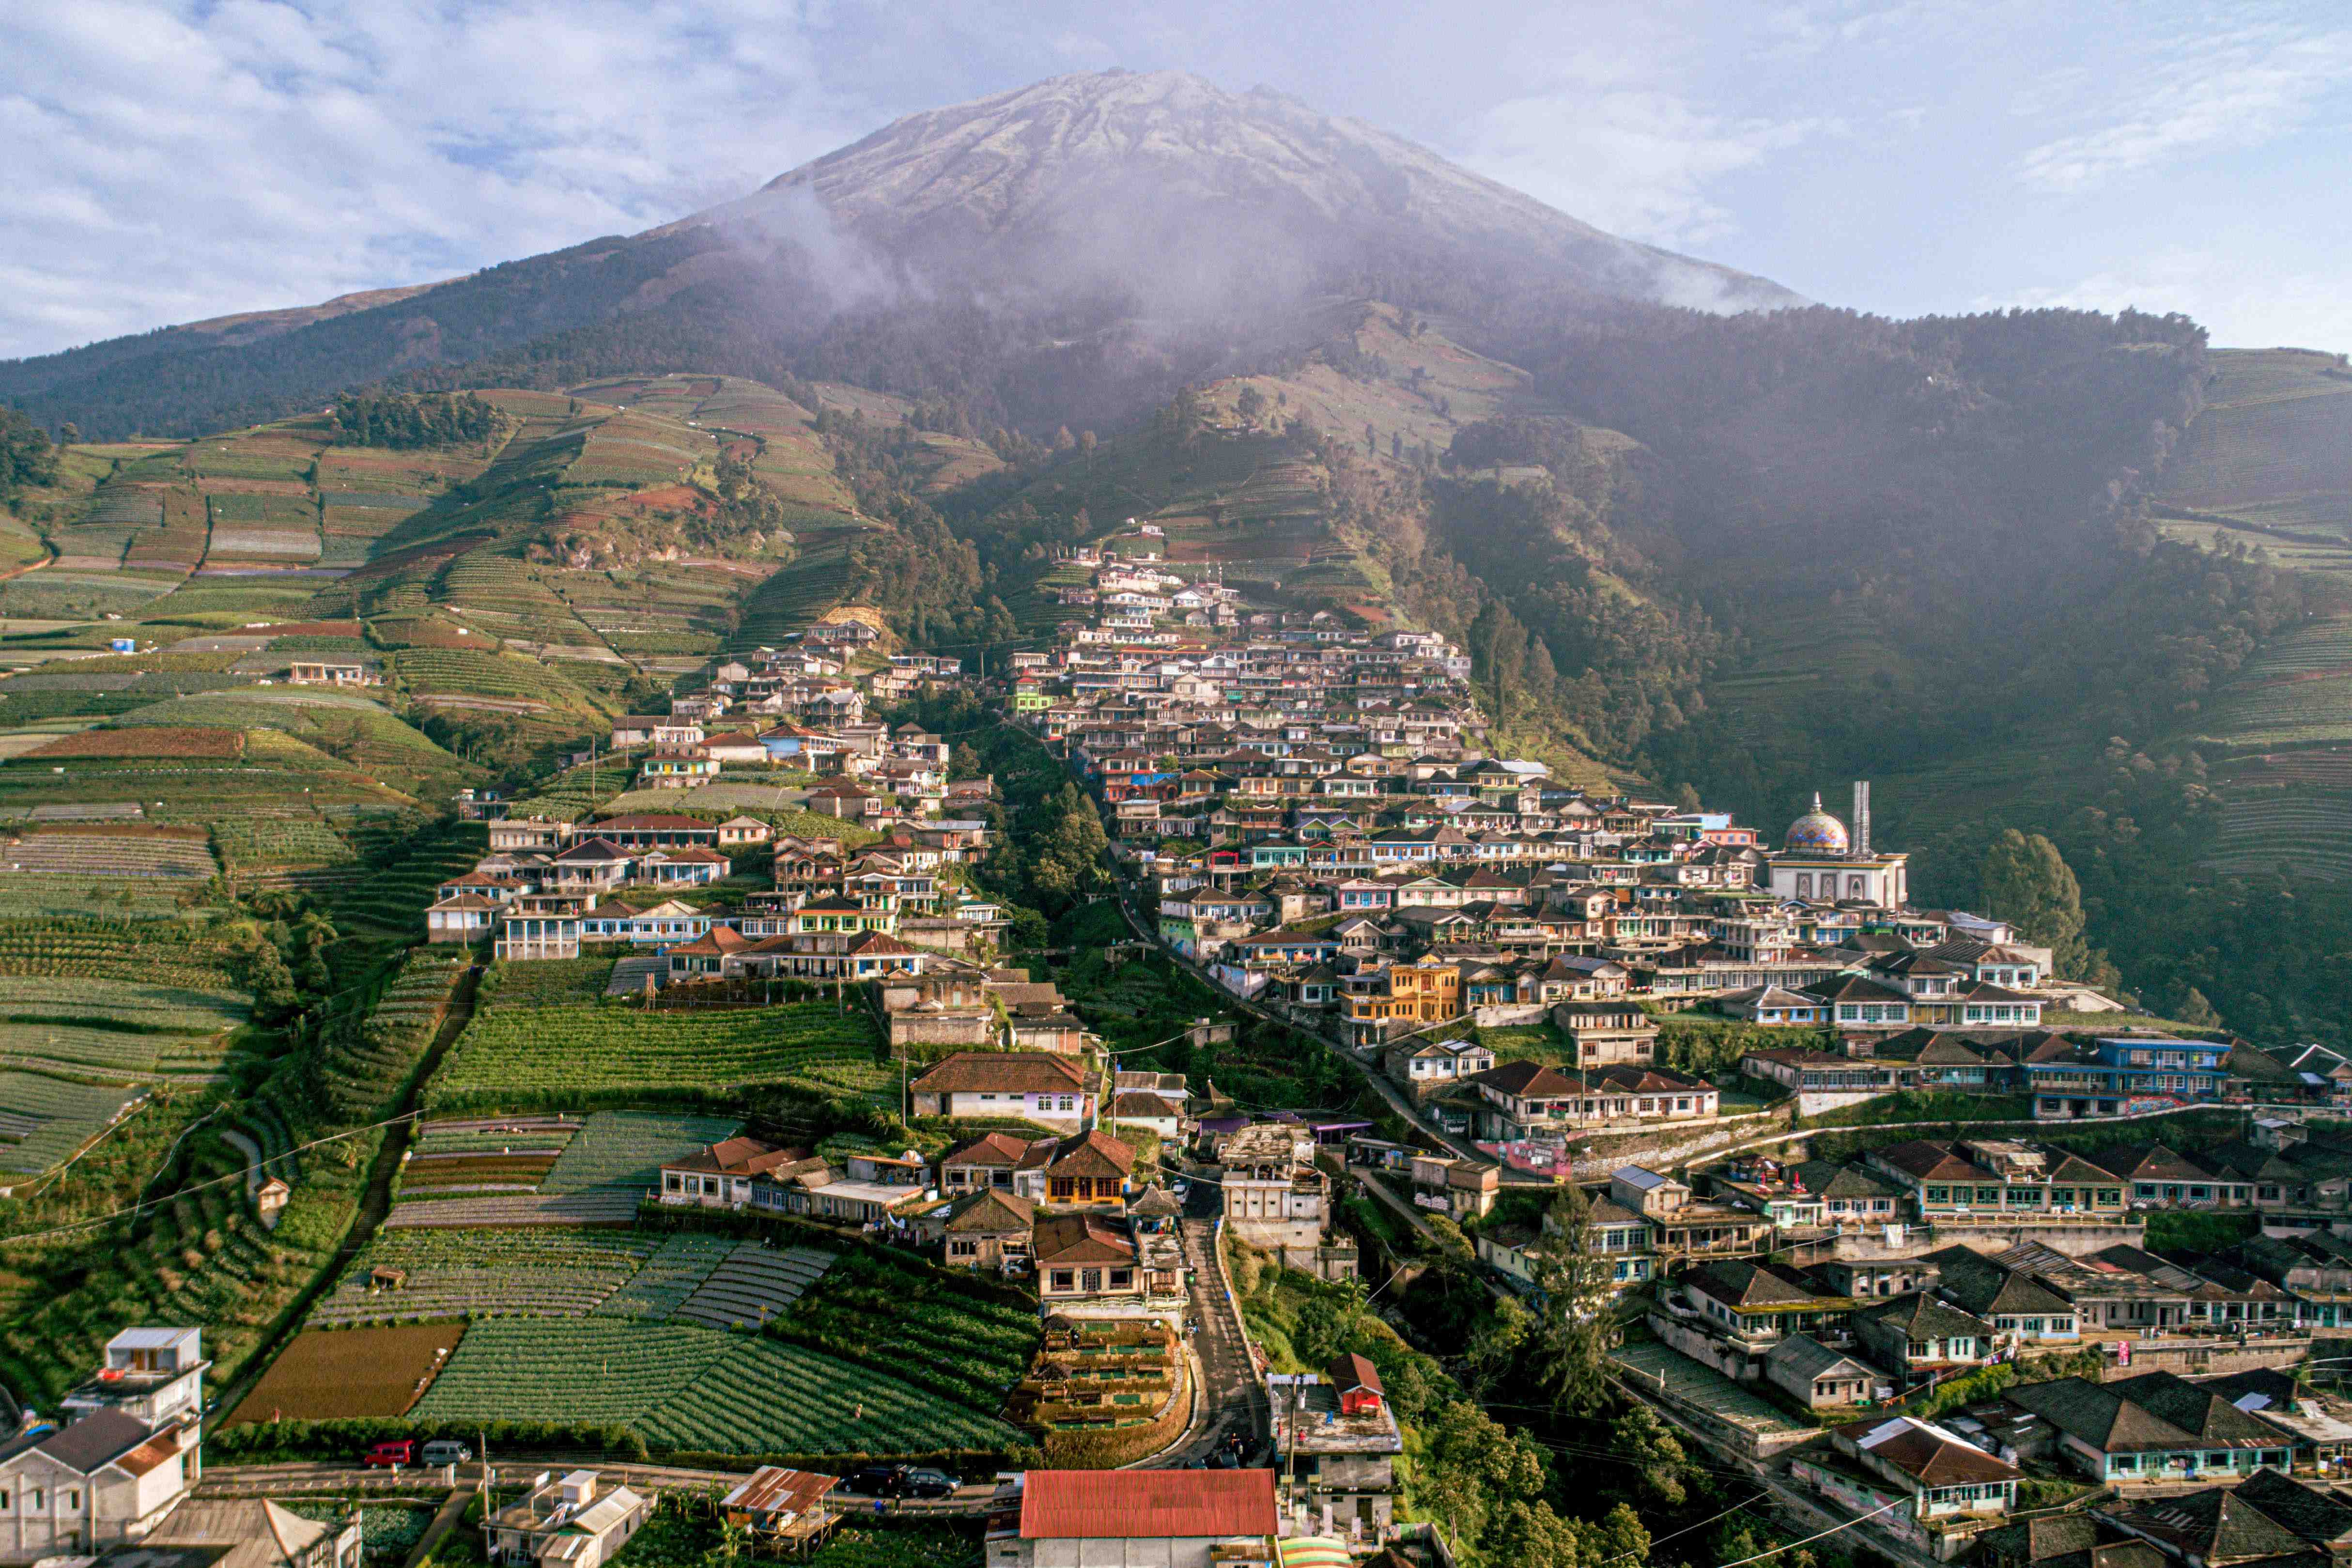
[{"x": 2126, "y": 1075}]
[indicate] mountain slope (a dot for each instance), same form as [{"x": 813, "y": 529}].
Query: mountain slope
[{"x": 1092, "y": 239}]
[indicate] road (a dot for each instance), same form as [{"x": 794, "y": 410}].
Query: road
[{"x": 1233, "y": 1399}]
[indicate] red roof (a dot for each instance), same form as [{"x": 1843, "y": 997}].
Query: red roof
[{"x": 1062, "y": 1505}]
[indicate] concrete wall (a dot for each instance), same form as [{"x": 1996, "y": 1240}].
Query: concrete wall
[
  {"x": 2208, "y": 1358},
  {"x": 1671, "y": 1144}
]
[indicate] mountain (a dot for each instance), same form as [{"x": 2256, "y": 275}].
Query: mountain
[
  {"x": 1190, "y": 196},
  {"x": 1092, "y": 239}
]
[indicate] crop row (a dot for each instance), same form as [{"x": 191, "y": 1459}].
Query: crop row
[
  {"x": 670, "y": 1276},
  {"x": 626, "y": 1148},
  {"x": 586, "y": 1049}
]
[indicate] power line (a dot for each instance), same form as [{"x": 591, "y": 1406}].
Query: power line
[{"x": 1792, "y": 1545}]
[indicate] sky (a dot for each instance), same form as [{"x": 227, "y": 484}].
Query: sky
[{"x": 169, "y": 161}]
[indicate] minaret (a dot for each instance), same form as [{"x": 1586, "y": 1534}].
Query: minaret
[{"x": 1861, "y": 839}]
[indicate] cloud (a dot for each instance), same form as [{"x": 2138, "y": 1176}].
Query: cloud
[
  {"x": 192, "y": 159},
  {"x": 2192, "y": 94},
  {"x": 1634, "y": 162},
  {"x": 2271, "y": 309}
]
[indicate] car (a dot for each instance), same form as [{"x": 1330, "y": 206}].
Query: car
[
  {"x": 1182, "y": 1188},
  {"x": 446, "y": 1451},
  {"x": 384, "y": 1455},
  {"x": 872, "y": 1481},
  {"x": 926, "y": 1484}
]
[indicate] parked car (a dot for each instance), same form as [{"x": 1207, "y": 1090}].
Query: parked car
[
  {"x": 384, "y": 1455},
  {"x": 872, "y": 1481},
  {"x": 448, "y": 1451},
  {"x": 926, "y": 1484}
]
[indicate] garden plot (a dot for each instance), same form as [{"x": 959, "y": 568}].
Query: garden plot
[
  {"x": 44, "y": 1119},
  {"x": 696, "y": 1390},
  {"x": 596, "y": 1206},
  {"x": 351, "y": 1372},
  {"x": 111, "y": 856},
  {"x": 82, "y": 1049},
  {"x": 670, "y": 1277},
  {"x": 430, "y": 1274},
  {"x": 753, "y": 1284},
  {"x": 537, "y": 1054},
  {"x": 626, "y": 1149}
]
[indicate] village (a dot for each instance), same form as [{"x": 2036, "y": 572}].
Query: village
[{"x": 1619, "y": 1061}]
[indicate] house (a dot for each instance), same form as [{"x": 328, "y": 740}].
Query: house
[
  {"x": 1757, "y": 1305},
  {"x": 335, "y": 672},
  {"x": 1169, "y": 1518},
  {"x": 2019, "y": 1307},
  {"x": 105, "y": 1478},
  {"x": 240, "y": 1532},
  {"x": 1943, "y": 1475},
  {"x": 464, "y": 917},
  {"x": 574, "y": 1522},
  {"x": 2154, "y": 1427},
  {"x": 1084, "y": 1256},
  {"x": 1606, "y": 1034},
  {"x": 1917, "y": 1336},
  {"x": 152, "y": 1375},
  {"x": 719, "y": 1176},
  {"x": 1089, "y": 1170},
  {"x": 1457, "y": 1188},
  {"x": 1338, "y": 1443},
  {"x": 995, "y": 1160},
  {"x": 1817, "y": 1376},
  {"x": 2268, "y": 1518},
  {"x": 990, "y": 1228},
  {"x": 1276, "y": 1199},
  {"x": 1427, "y": 1067},
  {"x": 1036, "y": 1086}
]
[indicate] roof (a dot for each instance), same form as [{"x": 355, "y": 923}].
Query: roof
[
  {"x": 258, "y": 1533},
  {"x": 1350, "y": 1371},
  {"x": 772, "y": 1489},
  {"x": 1928, "y": 1455},
  {"x": 1808, "y": 1358},
  {"x": 1921, "y": 1317},
  {"x": 646, "y": 822},
  {"x": 2142, "y": 1414},
  {"x": 1001, "y": 1072},
  {"x": 989, "y": 1148},
  {"x": 1738, "y": 1283},
  {"x": 736, "y": 1156},
  {"x": 1929, "y": 1161},
  {"x": 1528, "y": 1078},
  {"x": 1093, "y": 1153},
  {"x": 1065, "y": 1505},
  {"x": 1080, "y": 1238},
  {"x": 991, "y": 1211},
  {"x": 89, "y": 1444}
]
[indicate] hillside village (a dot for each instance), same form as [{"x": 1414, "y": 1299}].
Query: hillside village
[{"x": 1169, "y": 1088}]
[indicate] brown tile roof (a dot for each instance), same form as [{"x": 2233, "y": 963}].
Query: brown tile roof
[
  {"x": 1073, "y": 1238},
  {"x": 1002, "y": 1072},
  {"x": 993, "y": 1212},
  {"x": 1093, "y": 1153},
  {"x": 736, "y": 1157},
  {"x": 1350, "y": 1371},
  {"x": 989, "y": 1149},
  {"x": 1926, "y": 1455}
]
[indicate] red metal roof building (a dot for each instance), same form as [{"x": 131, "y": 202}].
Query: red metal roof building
[{"x": 1175, "y": 1506}]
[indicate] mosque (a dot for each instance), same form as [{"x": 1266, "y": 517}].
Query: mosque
[{"x": 1820, "y": 861}]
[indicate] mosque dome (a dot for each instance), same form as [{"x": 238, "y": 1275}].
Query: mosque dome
[{"x": 1817, "y": 832}]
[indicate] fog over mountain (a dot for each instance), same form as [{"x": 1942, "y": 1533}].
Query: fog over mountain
[{"x": 1151, "y": 204}]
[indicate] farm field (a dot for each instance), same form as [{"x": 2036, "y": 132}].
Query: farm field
[
  {"x": 626, "y": 1148},
  {"x": 544, "y": 982},
  {"x": 935, "y": 1329},
  {"x": 179, "y": 855},
  {"x": 44, "y": 1119},
  {"x": 543, "y": 1272},
  {"x": 594, "y": 1207},
  {"x": 325, "y": 1376},
  {"x": 688, "y": 1389},
  {"x": 559, "y": 1056}
]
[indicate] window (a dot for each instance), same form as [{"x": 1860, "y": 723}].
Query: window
[
  {"x": 73, "y": 1500},
  {"x": 1122, "y": 1278},
  {"x": 1939, "y": 1195},
  {"x": 1063, "y": 1279},
  {"x": 1988, "y": 1195}
]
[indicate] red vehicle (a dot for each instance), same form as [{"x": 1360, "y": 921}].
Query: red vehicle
[{"x": 384, "y": 1455}]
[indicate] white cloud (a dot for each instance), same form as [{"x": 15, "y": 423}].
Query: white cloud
[
  {"x": 2192, "y": 94},
  {"x": 2240, "y": 308},
  {"x": 1632, "y": 161},
  {"x": 189, "y": 160}
]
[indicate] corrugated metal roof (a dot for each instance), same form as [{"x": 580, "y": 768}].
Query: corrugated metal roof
[{"x": 1146, "y": 1504}]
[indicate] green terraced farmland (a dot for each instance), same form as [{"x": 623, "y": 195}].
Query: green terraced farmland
[
  {"x": 44, "y": 1119},
  {"x": 2303, "y": 834},
  {"x": 694, "y": 1390},
  {"x": 548, "y": 1273},
  {"x": 554, "y": 1055},
  {"x": 627, "y": 1147}
]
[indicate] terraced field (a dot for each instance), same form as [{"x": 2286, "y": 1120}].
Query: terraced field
[
  {"x": 673, "y": 1274},
  {"x": 542, "y": 1273},
  {"x": 551, "y": 1056},
  {"x": 753, "y": 1285},
  {"x": 2297, "y": 835},
  {"x": 694, "y": 1390},
  {"x": 595, "y": 1206},
  {"x": 109, "y": 855},
  {"x": 626, "y": 1148},
  {"x": 44, "y": 1119}
]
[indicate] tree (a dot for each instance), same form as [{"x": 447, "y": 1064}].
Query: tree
[
  {"x": 1649, "y": 1446},
  {"x": 1250, "y": 404},
  {"x": 25, "y": 457},
  {"x": 1495, "y": 1350},
  {"x": 2026, "y": 882},
  {"x": 1575, "y": 1329}
]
